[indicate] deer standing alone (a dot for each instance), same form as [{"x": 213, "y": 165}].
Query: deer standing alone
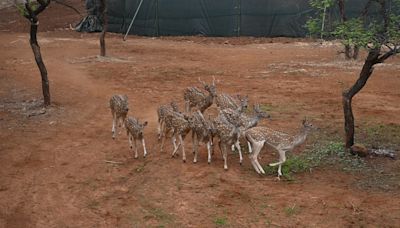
[
  {"x": 282, "y": 142},
  {"x": 134, "y": 130},
  {"x": 119, "y": 110}
]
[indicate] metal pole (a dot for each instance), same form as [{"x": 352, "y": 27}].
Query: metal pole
[
  {"x": 133, "y": 19},
  {"x": 323, "y": 23}
]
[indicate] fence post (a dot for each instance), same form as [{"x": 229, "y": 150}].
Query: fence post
[
  {"x": 157, "y": 20},
  {"x": 239, "y": 17}
]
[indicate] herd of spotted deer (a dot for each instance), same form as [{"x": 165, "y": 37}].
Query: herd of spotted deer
[{"x": 231, "y": 126}]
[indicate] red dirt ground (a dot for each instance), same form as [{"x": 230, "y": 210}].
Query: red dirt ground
[{"x": 52, "y": 169}]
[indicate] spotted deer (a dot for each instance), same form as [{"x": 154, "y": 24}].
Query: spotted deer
[
  {"x": 194, "y": 97},
  {"x": 162, "y": 112},
  {"x": 245, "y": 122},
  {"x": 282, "y": 142},
  {"x": 134, "y": 130},
  {"x": 201, "y": 132},
  {"x": 227, "y": 133},
  {"x": 119, "y": 110},
  {"x": 178, "y": 123},
  {"x": 224, "y": 101}
]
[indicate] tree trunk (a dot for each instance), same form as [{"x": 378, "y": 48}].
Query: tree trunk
[
  {"x": 103, "y": 8},
  {"x": 347, "y": 51},
  {"x": 39, "y": 62},
  {"x": 348, "y": 95},
  {"x": 356, "y": 51}
]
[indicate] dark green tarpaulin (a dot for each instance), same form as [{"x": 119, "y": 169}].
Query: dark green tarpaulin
[{"x": 270, "y": 18}]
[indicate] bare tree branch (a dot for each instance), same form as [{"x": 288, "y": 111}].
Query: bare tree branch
[
  {"x": 67, "y": 5},
  {"x": 43, "y": 6},
  {"x": 385, "y": 56}
]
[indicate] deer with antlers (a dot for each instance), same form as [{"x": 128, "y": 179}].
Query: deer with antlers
[{"x": 194, "y": 97}]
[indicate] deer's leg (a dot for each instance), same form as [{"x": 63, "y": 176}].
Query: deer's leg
[
  {"x": 257, "y": 149},
  {"x": 282, "y": 159},
  {"x": 225, "y": 155},
  {"x": 174, "y": 139},
  {"x": 160, "y": 128},
  {"x": 249, "y": 146},
  {"x": 120, "y": 124},
  {"x": 187, "y": 107},
  {"x": 257, "y": 146},
  {"x": 233, "y": 147},
  {"x": 212, "y": 145},
  {"x": 113, "y": 125},
  {"x": 136, "y": 148},
  {"x": 144, "y": 148},
  {"x": 181, "y": 142},
  {"x": 237, "y": 144},
  {"x": 163, "y": 136},
  {"x": 253, "y": 163},
  {"x": 176, "y": 146},
  {"x": 220, "y": 148},
  {"x": 195, "y": 147},
  {"x": 130, "y": 140},
  {"x": 193, "y": 142},
  {"x": 209, "y": 152}
]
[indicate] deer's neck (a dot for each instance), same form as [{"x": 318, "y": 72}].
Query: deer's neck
[
  {"x": 300, "y": 137},
  {"x": 253, "y": 121},
  {"x": 208, "y": 101}
]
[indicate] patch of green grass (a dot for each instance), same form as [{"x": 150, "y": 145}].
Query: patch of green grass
[
  {"x": 292, "y": 210},
  {"x": 380, "y": 135},
  {"x": 266, "y": 107},
  {"x": 161, "y": 215},
  {"x": 321, "y": 153},
  {"x": 221, "y": 221}
]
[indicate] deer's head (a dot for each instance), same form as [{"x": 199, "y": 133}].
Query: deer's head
[{"x": 260, "y": 113}]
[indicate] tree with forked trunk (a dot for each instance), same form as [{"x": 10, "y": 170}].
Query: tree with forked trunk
[
  {"x": 31, "y": 10},
  {"x": 378, "y": 33},
  {"x": 382, "y": 40}
]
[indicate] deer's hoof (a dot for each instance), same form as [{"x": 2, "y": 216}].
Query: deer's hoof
[{"x": 184, "y": 161}]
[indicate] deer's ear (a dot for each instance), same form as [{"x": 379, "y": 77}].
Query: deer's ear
[{"x": 304, "y": 121}]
